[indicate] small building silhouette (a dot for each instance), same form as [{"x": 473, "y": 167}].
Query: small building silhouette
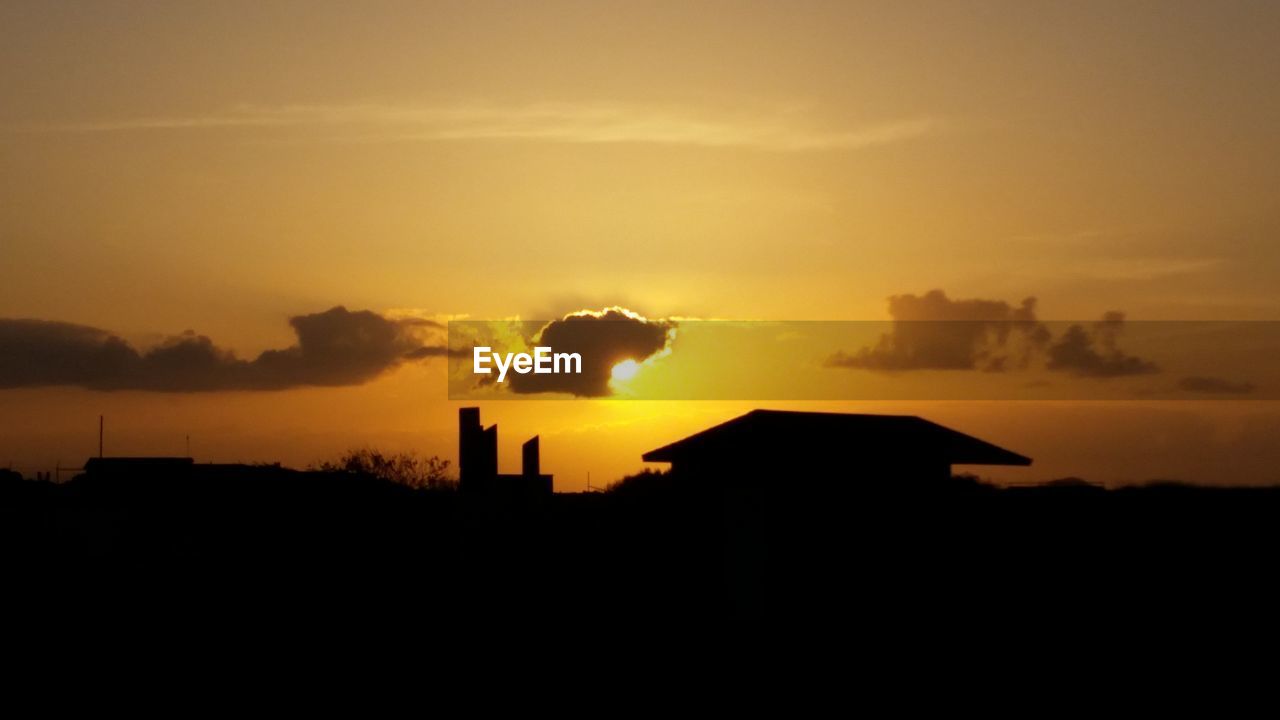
[
  {"x": 164, "y": 472},
  {"x": 139, "y": 468},
  {"x": 778, "y": 444},
  {"x": 478, "y": 462}
]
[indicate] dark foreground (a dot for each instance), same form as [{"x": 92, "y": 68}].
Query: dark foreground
[{"x": 333, "y": 554}]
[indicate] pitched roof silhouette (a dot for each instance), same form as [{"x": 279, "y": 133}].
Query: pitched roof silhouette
[{"x": 760, "y": 431}]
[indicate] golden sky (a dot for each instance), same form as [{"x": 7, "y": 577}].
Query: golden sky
[{"x": 224, "y": 166}]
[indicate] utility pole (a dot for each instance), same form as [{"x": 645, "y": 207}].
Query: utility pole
[{"x": 99, "y": 436}]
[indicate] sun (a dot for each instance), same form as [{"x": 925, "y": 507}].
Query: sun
[{"x": 625, "y": 370}]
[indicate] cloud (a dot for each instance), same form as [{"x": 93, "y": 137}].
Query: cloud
[
  {"x": 335, "y": 347},
  {"x": 604, "y": 339},
  {"x": 427, "y": 351},
  {"x": 1215, "y": 385},
  {"x": 934, "y": 332},
  {"x": 558, "y": 122},
  {"x": 1095, "y": 352},
  {"x": 1142, "y": 268}
]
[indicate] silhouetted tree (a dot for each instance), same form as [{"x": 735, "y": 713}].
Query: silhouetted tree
[
  {"x": 645, "y": 482},
  {"x": 406, "y": 468}
]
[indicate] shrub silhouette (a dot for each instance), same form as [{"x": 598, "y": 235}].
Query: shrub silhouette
[
  {"x": 406, "y": 468},
  {"x": 645, "y": 482}
]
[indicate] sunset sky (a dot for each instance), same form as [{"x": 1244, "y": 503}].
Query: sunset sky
[{"x": 223, "y": 167}]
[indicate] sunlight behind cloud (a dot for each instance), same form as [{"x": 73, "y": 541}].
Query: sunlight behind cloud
[
  {"x": 620, "y": 378},
  {"x": 625, "y": 370}
]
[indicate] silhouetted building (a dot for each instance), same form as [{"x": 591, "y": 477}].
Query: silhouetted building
[
  {"x": 138, "y": 468},
  {"x": 821, "y": 446},
  {"x": 169, "y": 469},
  {"x": 478, "y": 462}
]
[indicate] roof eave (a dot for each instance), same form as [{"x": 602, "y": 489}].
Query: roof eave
[{"x": 1015, "y": 460}]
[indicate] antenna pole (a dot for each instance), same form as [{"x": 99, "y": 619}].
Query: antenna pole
[{"x": 99, "y": 436}]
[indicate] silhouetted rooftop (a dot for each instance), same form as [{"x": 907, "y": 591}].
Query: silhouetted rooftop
[
  {"x": 100, "y": 464},
  {"x": 759, "y": 431}
]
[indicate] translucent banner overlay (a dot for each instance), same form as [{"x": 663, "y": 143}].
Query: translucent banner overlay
[{"x": 645, "y": 359}]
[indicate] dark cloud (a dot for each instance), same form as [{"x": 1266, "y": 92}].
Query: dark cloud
[
  {"x": 428, "y": 351},
  {"x": 1215, "y": 386},
  {"x": 1095, "y": 352},
  {"x": 603, "y": 339},
  {"x": 934, "y": 332},
  {"x": 335, "y": 347}
]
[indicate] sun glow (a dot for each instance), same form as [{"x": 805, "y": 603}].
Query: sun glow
[{"x": 625, "y": 370}]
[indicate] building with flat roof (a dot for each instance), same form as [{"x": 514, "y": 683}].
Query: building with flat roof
[{"x": 828, "y": 445}]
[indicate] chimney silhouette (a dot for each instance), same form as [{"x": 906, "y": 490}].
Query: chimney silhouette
[
  {"x": 478, "y": 462},
  {"x": 529, "y": 463},
  {"x": 477, "y": 448},
  {"x": 469, "y": 432}
]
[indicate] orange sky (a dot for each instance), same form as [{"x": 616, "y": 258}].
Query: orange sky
[{"x": 224, "y": 166}]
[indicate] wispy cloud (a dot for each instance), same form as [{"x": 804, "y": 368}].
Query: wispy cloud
[
  {"x": 555, "y": 122},
  {"x": 1145, "y": 268}
]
